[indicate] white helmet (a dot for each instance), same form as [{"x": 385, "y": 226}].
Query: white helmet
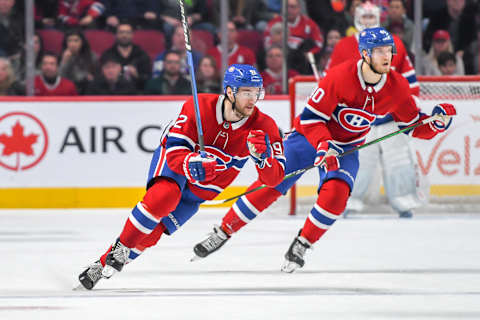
[{"x": 367, "y": 15}]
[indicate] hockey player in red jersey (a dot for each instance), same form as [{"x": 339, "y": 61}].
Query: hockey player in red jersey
[
  {"x": 180, "y": 178},
  {"x": 336, "y": 118},
  {"x": 367, "y": 15},
  {"x": 401, "y": 177}
]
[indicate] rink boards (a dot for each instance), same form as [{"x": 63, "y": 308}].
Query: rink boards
[{"x": 95, "y": 152}]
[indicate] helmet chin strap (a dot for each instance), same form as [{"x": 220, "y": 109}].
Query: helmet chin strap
[{"x": 234, "y": 106}]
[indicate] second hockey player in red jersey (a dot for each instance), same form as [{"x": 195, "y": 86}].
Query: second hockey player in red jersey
[
  {"x": 180, "y": 178},
  {"x": 336, "y": 118}
]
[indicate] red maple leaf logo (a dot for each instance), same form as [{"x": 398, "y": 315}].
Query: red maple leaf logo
[{"x": 18, "y": 142}]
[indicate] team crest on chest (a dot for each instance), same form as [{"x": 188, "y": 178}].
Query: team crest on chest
[
  {"x": 222, "y": 158},
  {"x": 355, "y": 120}
]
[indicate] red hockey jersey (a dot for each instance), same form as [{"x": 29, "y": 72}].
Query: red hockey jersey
[
  {"x": 239, "y": 54},
  {"x": 61, "y": 87},
  {"x": 71, "y": 11},
  {"x": 303, "y": 28},
  {"x": 347, "y": 49},
  {"x": 226, "y": 141},
  {"x": 272, "y": 82},
  {"x": 343, "y": 107}
]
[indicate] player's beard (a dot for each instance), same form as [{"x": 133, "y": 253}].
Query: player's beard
[{"x": 375, "y": 70}]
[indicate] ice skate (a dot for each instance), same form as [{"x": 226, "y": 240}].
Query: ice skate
[
  {"x": 116, "y": 259},
  {"x": 296, "y": 252},
  {"x": 212, "y": 243},
  {"x": 90, "y": 276}
]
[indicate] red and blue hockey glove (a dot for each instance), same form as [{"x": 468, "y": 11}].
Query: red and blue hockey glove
[
  {"x": 258, "y": 144},
  {"x": 198, "y": 168},
  {"x": 327, "y": 153},
  {"x": 445, "y": 111}
]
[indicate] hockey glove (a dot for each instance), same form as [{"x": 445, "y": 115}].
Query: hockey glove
[
  {"x": 444, "y": 111},
  {"x": 327, "y": 153},
  {"x": 258, "y": 144},
  {"x": 198, "y": 168}
]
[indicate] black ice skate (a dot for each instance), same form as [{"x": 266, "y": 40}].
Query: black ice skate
[
  {"x": 91, "y": 275},
  {"x": 296, "y": 252},
  {"x": 116, "y": 259},
  {"x": 212, "y": 243}
]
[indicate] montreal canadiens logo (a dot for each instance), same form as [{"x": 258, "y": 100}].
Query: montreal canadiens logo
[
  {"x": 355, "y": 120},
  {"x": 222, "y": 158},
  {"x": 23, "y": 141}
]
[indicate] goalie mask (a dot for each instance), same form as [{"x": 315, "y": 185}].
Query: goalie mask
[{"x": 367, "y": 15}]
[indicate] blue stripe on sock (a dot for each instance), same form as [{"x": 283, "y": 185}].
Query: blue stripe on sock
[
  {"x": 244, "y": 209},
  {"x": 321, "y": 218},
  {"x": 133, "y": 255},
  {"x": 143, "y": 220}
]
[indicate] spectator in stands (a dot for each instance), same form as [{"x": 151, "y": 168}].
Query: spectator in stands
[
  {"x": 248, "y": 14},
  {"x": 171, "y": 80},
  {"x": 79, "y": 13},
  {"x": 272, "y": 75},
  {"x": 458, "y": 18},
  {"x": 350, "y": 15},
  {"x": 327, "y": 13},
  {"x": 11, "y": 29},
  {"x": 8, "y": 85},
  {"x": 441, "y": 43},
  {"x": 178, "y": 45},
  {"x": 46, "y": 12},
  {"x": 208, "y": 78},
  {"x": 78, "y": 62},
  {"x": 301, "y": 28},
  {"x": 397, "y": 22},
  {"x": 447, "y": 63},
  {"x": 110, "y": 80},
  {"x": 139, "y": 13},
  {"x": 334, "y": 35},
  {"x": 135, "y": 62},
  {"x": 236, "y": 52},
  {"x": 18, "y": 60},
  {"x": 49, "y": 82}
]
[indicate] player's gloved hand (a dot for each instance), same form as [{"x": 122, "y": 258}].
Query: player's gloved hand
[
  {"x": 198, "y": 168},
  {"x": 327, "y": 153},
  {"x": 258, "y": 144},
  {"x": 444, "y": 112}
]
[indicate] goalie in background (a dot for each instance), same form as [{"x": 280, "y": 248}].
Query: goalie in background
[{"x": 405, "y": 186}]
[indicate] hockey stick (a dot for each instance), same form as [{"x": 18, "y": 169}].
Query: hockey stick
[
  {"x": 188, "y": 46},
  {"x": 301, "y": 171},
  {"x": 311, "y": 60}
]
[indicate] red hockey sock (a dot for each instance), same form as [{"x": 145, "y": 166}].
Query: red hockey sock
[
  {"x": 244, "y": 210},
  {"x": 159, "y": 200},
  {"x": 331, "y": 201}
]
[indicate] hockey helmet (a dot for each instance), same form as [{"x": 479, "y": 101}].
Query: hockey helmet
[
  {"x": 242, "y": 75},
  {"x": 375, "y": 37},
  {"x": 362, "y": 12}
]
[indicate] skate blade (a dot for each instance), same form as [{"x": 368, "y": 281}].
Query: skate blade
[
  {"x": 80, "y": 287},
  {"x": 289, "y": 266},
  {"x": 108, "y": 271},
  {"x": 195, "y": 258}
]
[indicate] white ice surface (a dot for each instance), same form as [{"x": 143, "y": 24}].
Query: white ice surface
[{"x": 374, "y": 267}]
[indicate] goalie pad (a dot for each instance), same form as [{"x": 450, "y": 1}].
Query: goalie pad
[{"x": 405, "y": 187}]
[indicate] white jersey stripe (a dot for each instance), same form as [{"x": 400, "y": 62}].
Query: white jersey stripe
[
  {"x": 146, "y": 213},
  {"x": 317, "y": 223},
  {"x": 138, "y": 225},
  {"x": 240, "y": 213},
  {"x": 325, "y": 212}
]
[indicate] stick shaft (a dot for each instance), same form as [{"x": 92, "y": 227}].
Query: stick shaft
[
  {"x": 303, "y": 170},
  {"x": 193, "y": 82}
]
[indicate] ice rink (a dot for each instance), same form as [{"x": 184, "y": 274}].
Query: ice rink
[{"x": 367, "y": 267}]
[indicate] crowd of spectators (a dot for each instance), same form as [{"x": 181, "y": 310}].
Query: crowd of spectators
[{"x": 79, "y": 65}]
